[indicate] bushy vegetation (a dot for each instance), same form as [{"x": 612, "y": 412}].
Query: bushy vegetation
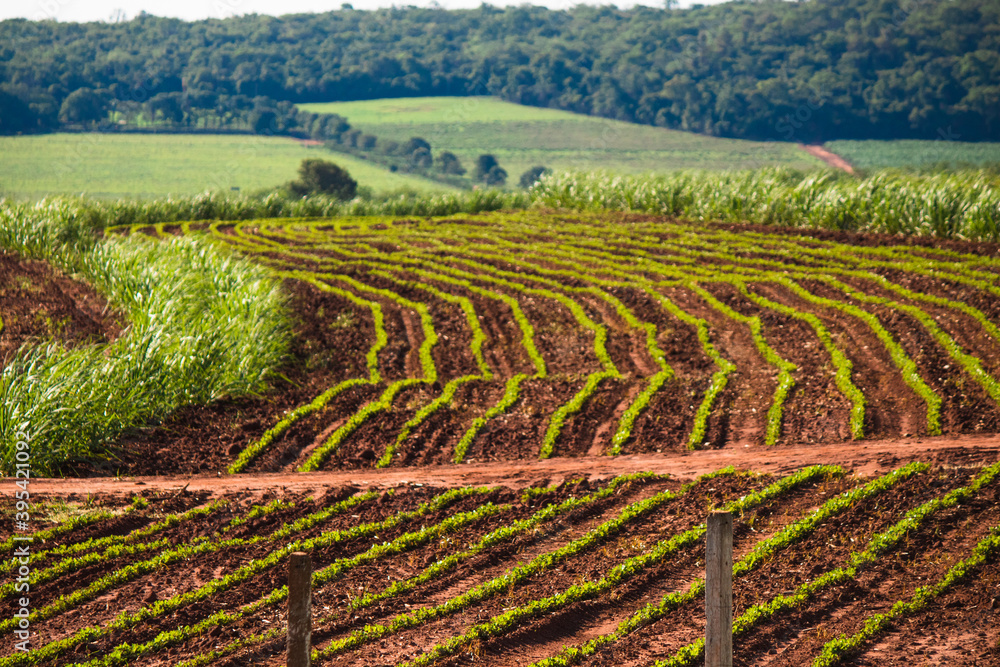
[
  {"x": 948, "y": 205},
  {"x": 202, "y": 325},
  {"x": 722, "y": 69},
  {"x": 85, "y": 214},
  {"x": 321, "y": 177},
  {"x": 521, "y": 137}
]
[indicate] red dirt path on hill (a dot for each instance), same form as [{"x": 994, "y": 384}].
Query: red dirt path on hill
[{"x": 831, "y": 159}]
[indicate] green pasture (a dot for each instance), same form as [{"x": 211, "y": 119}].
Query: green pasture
[
  {"x": 522, "y": 136},
  {"x": 155, "y": 165},
  {"x": 907, "y": 153}
]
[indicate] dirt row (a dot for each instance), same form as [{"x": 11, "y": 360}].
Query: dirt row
[{"x": 39, "y": 304}]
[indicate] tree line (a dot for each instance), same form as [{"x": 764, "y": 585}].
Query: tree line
[{"x": 803, "y": 71}]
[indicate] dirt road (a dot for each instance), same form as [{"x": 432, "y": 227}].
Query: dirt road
[
  {"x": 863, "y": 458},
  {"x": 831, "y": 159}
]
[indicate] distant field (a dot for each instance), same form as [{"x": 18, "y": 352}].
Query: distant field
[
  {"x": 914, "y": 153},
  {"x": 522, "y": 136},
  {"x": 156, "y": 165}
]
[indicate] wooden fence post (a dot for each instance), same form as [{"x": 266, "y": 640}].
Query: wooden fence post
[
  {"x": 719, "y": 590},
  {"x": 299, "y": 609}
]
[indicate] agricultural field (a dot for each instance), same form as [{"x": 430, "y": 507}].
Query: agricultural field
[
  {"x": 109, "y": 166},
  {"x": 829, "y": 568},
  {"x": 521, "y": 137},
  {"x": 497, "y": 408},
  {"x": 916, "y": 154},
  {"x": 519, "y": 336}
]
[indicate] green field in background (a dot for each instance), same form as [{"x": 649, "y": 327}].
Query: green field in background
[
  {"x": 915, "y": 153},
  {"x": 522, "y": 136},
  {"x": 156, "y": 165}
]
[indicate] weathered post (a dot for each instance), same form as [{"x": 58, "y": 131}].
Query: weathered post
[
  {"x": 299, "y": 609},
  {"x": 719, "y": 590}
]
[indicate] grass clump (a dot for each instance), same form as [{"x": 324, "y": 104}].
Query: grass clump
[{"x": 203, "y": 325}]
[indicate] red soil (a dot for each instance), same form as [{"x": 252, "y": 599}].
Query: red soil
[
  {"x": 38, "y": 304},
  {"x": 830, "y": 158}
]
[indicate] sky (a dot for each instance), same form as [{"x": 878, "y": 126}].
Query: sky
[{"x": 105, "y": 10}]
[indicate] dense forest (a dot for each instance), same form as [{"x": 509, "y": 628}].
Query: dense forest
[{"x": 802, "y": 71}]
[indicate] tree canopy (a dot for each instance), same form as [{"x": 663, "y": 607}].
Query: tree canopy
[
  {"x": 802, "y": 71},
  {"x": 322, "y": 177}
]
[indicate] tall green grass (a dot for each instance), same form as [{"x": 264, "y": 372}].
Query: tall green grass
[
  {"x": 202, "y": 325},
  {"x": 81, "y": 214},
  {"x": 964, "y": 204},
  {"x": 950, "y": 205}
]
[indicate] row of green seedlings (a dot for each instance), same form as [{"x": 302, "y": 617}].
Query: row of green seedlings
[
  {"x": 566, "y": 411},
  {"x": 878, "y": 546},
  {"x": 119, "y": 546},
  {"x": 843, "y": 377},
  {"x": 126, "y": 653},
  {"x": 971, "y": 364},
  {"x": 252, "y": 245},
  {"x": 608, "y": 370},
  {"x": 110, "y": 546},
  {"x": 774, "y": 414},
  {"x": 164, "y": 559},
  {"x": 638, "y": 405},
  {"x": 802, "y": 243},
  {"x": 255, "y": 246},
  {"x": 606, "y": 262},
  {"x": 255, "y": 449},
  {"x": 843, "y": 366},
  {"x": 716, "y": 386},
  {"x": 513, "y": 385},
  {"x": 842, "y": 648},
  {"x": 761, "y": 553},
  {"x": 64, "y": 528},
  {"x": 903, "y": 258},
  {"x": 856, "y": 420},
  {"x": 785, "y": 368},
  {"x": 548, "y": 561},
  {"x": 618, "y": 575},
  {"x": 512, "y": 388},
  {"x": 385, "y": 401},
  {"x": 838, "y": 254},
  {"x": 967, "y": 362},
  {"x": 725, "y": 367},
  {"x": 449, "y": 390},
  {"x": 841, "y": 363},
  {"x": 495, "y": 539},
  {"x": 902, "y": 361},
  {"x": 126, "y": 619}
]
